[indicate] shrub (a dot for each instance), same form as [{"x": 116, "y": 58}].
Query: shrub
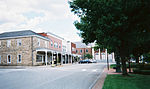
[
  {"x": 143, "y": 66},
  {"x": 138, "y": 71}
]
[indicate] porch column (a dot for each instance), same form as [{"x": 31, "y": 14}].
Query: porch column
[
  {"x": 68, "y": 58},
  {"x": 52, "y": 59},
  {"x": 61, "y": 58},
  {"x": 71, "y": 58},
  {"x": 93, "y": 54},
  {"x": 46, "y": 57},
  {"x": 65, "y": 59},
  {"x": 99, "y": 53},
  {"x": 106, "y": 54},
  {"x": 42, "y": 58},
  {"x": 113, "y": 57},
  {"x": 57, "y": 59}
]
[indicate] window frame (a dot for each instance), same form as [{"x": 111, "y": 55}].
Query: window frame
[
  {"x": 87, "y": 50},
  {"x": 55, "y": 45},
  {"x": 46, "y": 44},
  {"x": 8, "y": 60},
  {"x": 51, "y": 43},
  {"x": 18, "y": 58},
  {"x": 18, "y": 42},
  {"x": 8, "y": 43},
  {"x": 0, "y": 59},
  {"x": 59, "y": 45},
  {"x": 0, "y": 43},
  {"x": 76, "y": 51},
  {"x": 80, "y": 50},
  {"x": 39, "y": 42}
]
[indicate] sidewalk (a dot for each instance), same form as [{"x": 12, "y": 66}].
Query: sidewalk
[{"x": 30, "y": 67}]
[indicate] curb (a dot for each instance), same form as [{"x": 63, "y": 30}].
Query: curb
[{"x": 98, "y": 83}]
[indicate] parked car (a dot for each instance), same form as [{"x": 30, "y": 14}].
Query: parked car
[
  {"x": 94, "y": 61},
  {"x": 85, "y": 61}
]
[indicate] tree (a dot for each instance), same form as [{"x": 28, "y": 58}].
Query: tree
[
  {"x": 89, "y": 56},
  {"x": 114, "y": 24}
]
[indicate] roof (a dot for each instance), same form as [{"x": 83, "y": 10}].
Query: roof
[
  {"x": 19, "y": 34},
  {"x": 55, "y": 35},
  {"x": 82, "y": 45}
]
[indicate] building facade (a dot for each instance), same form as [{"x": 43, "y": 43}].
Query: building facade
[
  {"x": 30, "y": 48},
  {"x": 83, "y": 49},
  {"x": 19, "y": 48}
]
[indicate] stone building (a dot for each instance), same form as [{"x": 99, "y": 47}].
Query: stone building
[
  {"x": 20, "y": 47},
  {"x": 31, "y": 48}
]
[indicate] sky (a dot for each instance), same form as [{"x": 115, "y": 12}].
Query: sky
[{"x": 53, "y": 16}]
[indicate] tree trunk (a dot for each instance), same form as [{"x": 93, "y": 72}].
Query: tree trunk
[
  {"x": 137, "y": 59},
  {"x": 129, "y": 66},
  {"x": 118, "y": 65},
  {"x": 124, "y": 67}
]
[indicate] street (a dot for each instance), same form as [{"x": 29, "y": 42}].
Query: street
[{"x": 76, "y": 76}]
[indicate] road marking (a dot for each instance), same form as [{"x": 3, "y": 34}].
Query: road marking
[
  {"x": 84, "y": 69},
  {"x": 94, "y": 70}
]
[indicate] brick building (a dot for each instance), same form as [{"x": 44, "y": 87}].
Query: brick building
[
  {"x": 83, "y": 49},
  {"x": 30, "y": 48}
]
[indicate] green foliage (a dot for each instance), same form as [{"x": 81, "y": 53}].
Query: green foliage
[
  {"x": 112, "y": 65},
  {"x": 89, "y": 56},
  {"x": 113, "y": 24},
  {"x": 138, "y": 71},
  {"x": 121, "y": 26},
  {"x": 147, "y": 57},
  {"x": 131, "y": 82}
]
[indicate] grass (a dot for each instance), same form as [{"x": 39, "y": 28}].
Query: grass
[
  {"x": 112, "y": 65},
  {"x": 134, "y": 81},
  {"x": 133, "y": 65}
]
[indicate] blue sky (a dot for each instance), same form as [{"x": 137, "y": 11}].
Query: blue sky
[{"x": 40, "y": 16}]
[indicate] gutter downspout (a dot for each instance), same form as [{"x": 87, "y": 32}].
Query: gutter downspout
[{"x": 32, "y": 48}]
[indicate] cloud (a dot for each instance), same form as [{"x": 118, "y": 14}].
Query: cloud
[{"x": 30, "y": 14}]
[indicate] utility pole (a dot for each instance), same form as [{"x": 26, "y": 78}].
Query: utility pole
[{"x": 107, "y": 59}]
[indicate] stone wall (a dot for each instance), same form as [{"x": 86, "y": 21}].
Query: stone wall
[{"x": 25, "y": 50}]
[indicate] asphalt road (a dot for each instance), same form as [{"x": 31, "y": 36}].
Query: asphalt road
[{"x": 77, "y": 76}]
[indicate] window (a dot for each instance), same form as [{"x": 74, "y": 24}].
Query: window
[
  {"x": 81, "y": 51},
  {"x": 19, "y": 58},
  {"x": 51, "y": 43},
  {"x": 8, "y": 59},
  {"x": 56, "y": 45},
  {"x": 59, "y": 45},
  {"x": 0, "y": 59},
  {"x": 0, "y": 44},
  {"x": 73, "y": 49},
  {"x": 8, "y": 43},
  {"x": 87, "y": 50},
  {"x": 38, "y": 42},
  {"x": 46, "y": 44},
  {"x": 19, "y": 42},
  {"x": 76, "y": 51},
  {"x": 38, "y": 58}
]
